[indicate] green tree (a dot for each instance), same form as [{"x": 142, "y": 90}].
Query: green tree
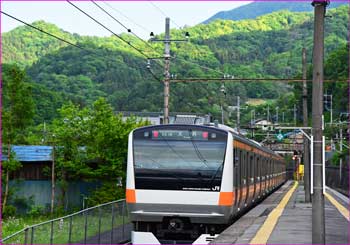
[
  {"x": 17, "y": 115},
  {"x": 91, "y": 144}
]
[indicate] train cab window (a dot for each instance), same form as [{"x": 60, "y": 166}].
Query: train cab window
[{"x": 176, "y": 157}]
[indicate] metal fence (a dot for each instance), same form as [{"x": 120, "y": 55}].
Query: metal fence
[
  {"x": 103, "y": 224},
  {"x": 337, "y": 182}
]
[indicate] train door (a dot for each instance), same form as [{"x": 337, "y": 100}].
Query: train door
[
  {"x": 242, "y": 184},
  {"x": 264, "y": 174},
  {"x": 256, "y": 176},
  {"x": 255, "y": 173},
  {"x": 247, "y": 170},
  {"x": 274, "y": 174},
  {"x": 258, "y": 163},
  {"x": 251, "y": 176},
  {"x": 269, "y": 175},
  {"x": 249, "y": 182},
  {"x": 236, "y": 175}
]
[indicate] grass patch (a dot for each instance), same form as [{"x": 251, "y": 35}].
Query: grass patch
[{"x": 93, "y": 222}]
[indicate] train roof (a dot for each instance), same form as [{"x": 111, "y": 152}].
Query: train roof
[{"x": 220, "y": 127}]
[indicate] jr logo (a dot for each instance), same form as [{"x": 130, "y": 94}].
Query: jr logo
[{"x": 215, "y": 188}]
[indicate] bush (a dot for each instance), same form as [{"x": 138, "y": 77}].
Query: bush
[
  {"x": 9, "y": 211},
  {"x": 36, "y": 211},
  {"x": 106, "y": 193}
]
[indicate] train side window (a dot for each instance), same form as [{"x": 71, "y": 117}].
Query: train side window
[
  {"x": 248, "y": 167},
  {"x": 263, "y": 168},
  {"x": 259, "y": 168},
  {"x": 251, "y": 168}
]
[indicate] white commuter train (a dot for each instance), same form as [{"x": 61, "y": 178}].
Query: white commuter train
[{"x": 186, "y": 180}]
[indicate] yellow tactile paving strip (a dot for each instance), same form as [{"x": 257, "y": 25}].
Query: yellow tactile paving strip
[
  {"x": 266, "y": 229},
  {"x": 340, "y": 207}
]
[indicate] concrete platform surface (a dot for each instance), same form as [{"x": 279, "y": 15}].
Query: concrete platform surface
[{"x": 294, "y": 225}]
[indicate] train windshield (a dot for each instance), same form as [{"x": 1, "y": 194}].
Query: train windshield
[{"x": 180, "y": 159}]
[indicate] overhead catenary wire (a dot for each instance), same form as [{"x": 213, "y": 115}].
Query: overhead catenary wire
[
  {"x": 105, "y": 27},
  {"x": 45, "y": 32},
  {"x": 124, "y": 26},
  {"x": 163, "y": 13},
  {"x": 128, "y": 29},
  {"x": 126, "y": 17},
  {"x": 190, "y": 62},
  {"x": 201, "y": 66}
]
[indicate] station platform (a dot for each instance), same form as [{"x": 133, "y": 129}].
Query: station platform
[{"x": 285, "y": 218}]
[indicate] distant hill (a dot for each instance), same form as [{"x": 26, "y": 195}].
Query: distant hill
[{"x": 253, "y": 10}]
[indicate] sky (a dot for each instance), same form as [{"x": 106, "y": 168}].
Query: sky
[{"x": 141, "y": 17}]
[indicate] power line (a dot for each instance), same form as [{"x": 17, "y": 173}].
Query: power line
[
  {"x": 63, "y": 40},
  {"x": 201, "y": 66},
  {"x": 246, "y": 80},
  {"x": 126, "y": 17},
  {"x": 129, "y": 30},
  {"x": 47, "y": 33},
  {"x": 125, "y": 27},
  {"x": 163, "y": 13},
  {"x": 99, "y": 23},
  {"x": 137, "y": 49}
]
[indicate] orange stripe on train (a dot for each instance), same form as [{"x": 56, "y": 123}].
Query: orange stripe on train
[
  {"x": 226, "y": 198},
  {"x": 130, "y": 196}
]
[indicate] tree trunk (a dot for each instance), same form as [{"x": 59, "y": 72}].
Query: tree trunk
[{"x": 7, "y": 178}]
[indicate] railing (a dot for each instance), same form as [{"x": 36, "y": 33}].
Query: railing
[{"x": 103, "y": 224}]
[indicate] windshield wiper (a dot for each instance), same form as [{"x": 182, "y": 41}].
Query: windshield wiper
[
  {"x": 198, "y": 153},
  {"x": 216, "y": 172}
]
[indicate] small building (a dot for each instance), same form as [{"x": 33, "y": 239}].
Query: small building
[
  {"x": 33, "y": 180},
  {"x": 34, "y": 159},
  {"x": 263, "y": 124}
]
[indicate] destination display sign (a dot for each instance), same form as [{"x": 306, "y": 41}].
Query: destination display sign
[{"x": 180, "y": 135}]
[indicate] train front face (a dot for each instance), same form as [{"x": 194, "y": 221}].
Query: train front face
[{"x": 179, "y": 176}]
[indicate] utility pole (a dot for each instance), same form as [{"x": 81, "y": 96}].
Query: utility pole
[
  {"x": 166, "y": 70},
  {"x": 223, "y": 91},
  {"x": 238, "y": 113},
  {"x": 295, "y": 115},
  {"x": 318, "y": 214},
  {"x": 277, "y": 114},
  {"x": 167, "y": 57},
  {"x": 268, "y": 113},
  {"x": 306, "y": 142}
]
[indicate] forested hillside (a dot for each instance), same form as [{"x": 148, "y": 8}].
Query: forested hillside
[
  {"x": 255, "y": 9},
  {"x": 269, "y": 46}
]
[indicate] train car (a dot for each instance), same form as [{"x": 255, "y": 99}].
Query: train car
[{"x": 186, "y": 180}]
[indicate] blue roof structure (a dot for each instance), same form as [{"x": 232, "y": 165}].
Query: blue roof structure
[{"x": 30, "y": 153}]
